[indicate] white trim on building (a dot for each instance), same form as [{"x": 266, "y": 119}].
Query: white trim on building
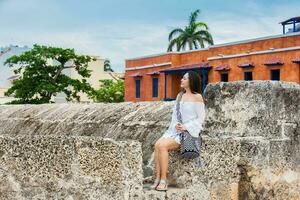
[
  {"x": 148, "y": 66},
  {"x": 271, "y": 50}
]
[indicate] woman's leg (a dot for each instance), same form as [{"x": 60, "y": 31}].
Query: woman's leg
[
  {"x": 165, "y": 145},
  {"x": 156, "y": 159}
]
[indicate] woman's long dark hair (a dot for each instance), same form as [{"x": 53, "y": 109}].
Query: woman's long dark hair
[{"x": 194, "y": 82}]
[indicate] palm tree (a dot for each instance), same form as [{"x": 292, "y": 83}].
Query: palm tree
[
  {"x": 107, "y": 66},
  {"x": 194, "y": 35}
]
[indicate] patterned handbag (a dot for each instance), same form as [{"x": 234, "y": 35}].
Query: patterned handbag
[{"x": 190, "y": 146}]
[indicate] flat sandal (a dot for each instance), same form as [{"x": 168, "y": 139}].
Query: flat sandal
[
  {"x": 155, "y": 184},
  {"x": 165, "y": 188}
]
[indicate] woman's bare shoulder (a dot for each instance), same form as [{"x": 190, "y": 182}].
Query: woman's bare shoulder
[{"x": 198, "y": 97}]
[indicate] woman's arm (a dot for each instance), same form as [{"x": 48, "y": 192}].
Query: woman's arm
[
  {"x": 194, "y": 126},
  {"x": 173, "y": 119}
]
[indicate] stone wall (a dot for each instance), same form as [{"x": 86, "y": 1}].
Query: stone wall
[
  {"x": 60, "y": 167},
  {"x": 144, "y": 122},
  {"x": 250, "y": 140}
]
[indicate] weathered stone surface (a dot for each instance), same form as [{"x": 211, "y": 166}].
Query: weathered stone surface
[
  {"x": 145, "y": 121},
  {"x": 220, "y": 158},
  {"x": 253, "y": 159},
  {"x": 252, "y": 108},
  {"x": 198, "y": 192},
  {"x": 60, "y": 167},
  {"x": 239, "y": 168},
  {"x": 251, "y": 147},
  {"x": 246, "y": 159}
]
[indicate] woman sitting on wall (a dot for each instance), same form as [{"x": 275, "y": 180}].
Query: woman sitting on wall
[{"x": 193, "y": 114}]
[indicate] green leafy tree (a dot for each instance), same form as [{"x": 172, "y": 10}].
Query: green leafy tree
[
  {"x": 110, "y": 91},
  {"x": 195, "y": 35},
  {"x": 107, "y": 65},
  {"x": 40, "y": 80}
]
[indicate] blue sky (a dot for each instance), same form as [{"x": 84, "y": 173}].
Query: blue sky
[{"x": 119, "y": 29}]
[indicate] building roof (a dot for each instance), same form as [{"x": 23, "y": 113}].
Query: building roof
[
  {"x": 186, "y": 67},
  {"x": 153, "y": 73},
  {"x": 138, "y": 74},
  {"x": 275, "y": 61},
  {"x": 224, "y": 67},
  {"x": 291, "y": 20},
  {"x": 296, "y": 60},
  {"x": 246, "y": 64}
]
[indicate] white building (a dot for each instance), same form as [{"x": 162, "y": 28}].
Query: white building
[
  {"x": 97, "y": 74},
  {"x": 7, "y": 72}
]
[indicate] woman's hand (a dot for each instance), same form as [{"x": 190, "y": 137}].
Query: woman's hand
[{"x": 180, "y": 127}]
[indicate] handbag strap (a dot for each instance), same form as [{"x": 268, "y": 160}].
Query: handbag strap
[{"x": 178, "y": 113}]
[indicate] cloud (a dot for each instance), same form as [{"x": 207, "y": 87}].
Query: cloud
[
  {"x": 261, "y": 21},
  {"x": 139, "y": 39},
  {"x": 97, "y": 29}
]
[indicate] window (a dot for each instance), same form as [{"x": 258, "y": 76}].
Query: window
[
  {"x": 154, "y": 87},
  {"x": 224, "y": 77},
  {"x": 137, "y": 88},
  {"x": 275, "y": 74},
  {"x": 248, "y": 76}
]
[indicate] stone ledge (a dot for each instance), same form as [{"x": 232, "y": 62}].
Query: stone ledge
[
  {"x": 232, "y": 164},
  {"x": 269, "y": 109},
  {"x": 47, "y": 167}
]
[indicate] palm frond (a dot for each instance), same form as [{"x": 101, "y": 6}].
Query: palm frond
[
  {"x": 193, "y": 17},
  {"x": 174, "y": 32},
  {"x": 182, "y": 46},
  {"x": 182, "y": 41},
  {"x": 208, "y": 40},
  {"x": 201, "y": 42},
  {"x": 201, "y": 24},
  {"x": 172, "y": 44},
  {"x": 205, "y": 34}
]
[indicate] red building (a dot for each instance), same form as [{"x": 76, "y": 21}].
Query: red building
[{"x": 157, "y": 77}]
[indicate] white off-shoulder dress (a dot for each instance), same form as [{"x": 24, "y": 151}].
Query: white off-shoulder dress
[{"x": 193, "y": 114}]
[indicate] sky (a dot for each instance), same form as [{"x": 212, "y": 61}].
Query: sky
[{"x": 122, "y": 29}]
